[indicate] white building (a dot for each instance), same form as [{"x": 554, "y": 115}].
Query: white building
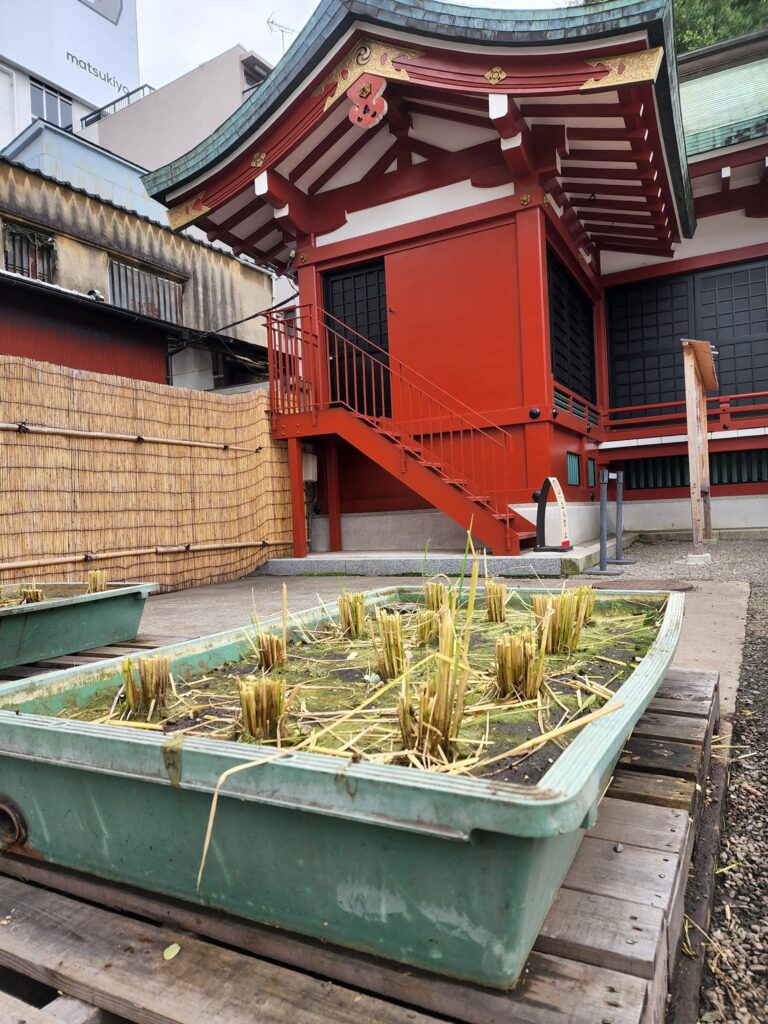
[
  {"x": 154, "y": 126},
  {"x": 61, "y": 59}
]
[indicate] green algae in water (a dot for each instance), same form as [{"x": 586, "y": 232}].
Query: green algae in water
[{"x": 328, "y": 677}]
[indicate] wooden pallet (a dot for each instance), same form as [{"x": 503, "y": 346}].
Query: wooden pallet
[
  {"x": 143, "y": 642},
  {"x": 604, "y": 955}
]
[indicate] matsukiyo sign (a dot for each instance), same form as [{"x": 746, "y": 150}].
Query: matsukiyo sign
[{"x": 86, "y": 48}]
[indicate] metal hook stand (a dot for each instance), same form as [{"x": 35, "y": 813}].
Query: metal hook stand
[{"x": 604, "y": 569}]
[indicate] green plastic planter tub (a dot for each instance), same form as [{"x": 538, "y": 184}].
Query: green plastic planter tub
[
  {"x": 69, "y": 620},
  {"x": 450, "y": 874}
]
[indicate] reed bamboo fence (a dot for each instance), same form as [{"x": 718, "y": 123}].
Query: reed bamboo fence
[{"x": 143, "y": 480}]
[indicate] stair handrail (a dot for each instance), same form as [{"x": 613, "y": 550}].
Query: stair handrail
[
  {"x": 323, "y": 313},
  {"x": 412, "y": 370},
  {"x": 469, "y": 425}
]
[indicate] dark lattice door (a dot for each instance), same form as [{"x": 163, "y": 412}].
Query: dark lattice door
[{"x": 359, "y": 370}]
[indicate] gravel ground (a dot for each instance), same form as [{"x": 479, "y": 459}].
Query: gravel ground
[
  {"x": 731, "y": 560},
  {"x": 736, "y": 980}
]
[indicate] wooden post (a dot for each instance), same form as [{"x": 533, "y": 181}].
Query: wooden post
[
  {"x": 700, "y": 377},
  {"x": 536, "y": 363},
  {"x": 298, "y": 507},
  {"x": 332, "y": 493}
]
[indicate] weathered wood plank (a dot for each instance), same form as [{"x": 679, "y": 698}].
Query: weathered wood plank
[
  {"x": 657, "y": 828},
  {"x": 117, "y": 963},
  {"x": 628, "y": 873},
  {"x": 440, "y": 996},
  {"x": 682, "y": 708},
  {"x": 672, "y": 727},
  {"x": 686, "y": 684},
  {"x": 662, "y": 757},
  {"x": 662, "y": 790},
  {"x": 110, "y": 651},
  {"x": 605, "y": 931}
]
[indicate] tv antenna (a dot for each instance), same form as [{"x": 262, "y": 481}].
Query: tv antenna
[{"x": 275, "y": 26}]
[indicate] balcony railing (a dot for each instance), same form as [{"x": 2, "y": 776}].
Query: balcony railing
[
  {"x": 119, "y": 104},
  {"x": 724, "y": 412}
]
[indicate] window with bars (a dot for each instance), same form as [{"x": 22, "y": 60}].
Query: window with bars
[
  {"x": 50, "y": 105},
  {"x": 574, "y": 469},
  {"x": 29, "y": 252},
  {"x": 746, "y": 467},
  {"x": 145, "y": 292}
]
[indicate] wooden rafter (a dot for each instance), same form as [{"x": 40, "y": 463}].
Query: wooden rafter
[
  {"x": 342, "y": 128},
  {"x": 224, "y": 228},
  {"x": 344, "y": 158},
  {"x": 444, "y": 114},
  {"x": 241, "y": 246}
]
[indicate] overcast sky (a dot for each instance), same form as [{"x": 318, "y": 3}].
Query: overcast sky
[{"x": 177, "y": 35}]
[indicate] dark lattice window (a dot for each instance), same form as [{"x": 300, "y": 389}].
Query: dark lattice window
[
  {"x": 727, "y": 306},
  {"x": 144, "y": 292},
  {"x": 747, "y": 467},
  {"x": 28, "y": 252},
  {"x": 571, "y": 331}
]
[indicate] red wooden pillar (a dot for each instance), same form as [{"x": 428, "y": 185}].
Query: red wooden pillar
[
  {"x": 535, "y": 361},
  {"x": 298, "y": 509},
  {"x": 332, "y": 495},
  {"x": 311, "y": 294},
  {"x": 601, "y": 358}
]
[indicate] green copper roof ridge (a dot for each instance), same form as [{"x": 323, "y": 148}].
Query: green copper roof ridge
[
  {"x": 488, "y": 26},
  {"x": 709, "y": 139}
]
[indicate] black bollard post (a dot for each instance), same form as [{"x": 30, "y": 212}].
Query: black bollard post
[
  {"x": 603, "y": 569},
  {"x": 619, "y": 558}
]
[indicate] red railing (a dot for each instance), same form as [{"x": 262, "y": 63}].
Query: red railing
[
  {"x": 568, "y": 401},
  {"x": 316, "y": 362},
  {"x": 723, "y": 413}
]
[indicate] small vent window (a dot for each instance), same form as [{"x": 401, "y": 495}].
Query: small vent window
[
  {"x": 144, "y": 292},
  {"x": 591, "y": 472},
  {"x": 574, "y": 469},
  {"x": 750, "y": 467},
  {"x": 28, "y": 252}
]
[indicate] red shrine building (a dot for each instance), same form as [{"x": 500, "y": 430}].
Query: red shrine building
[{"x": 501, "y": 225}]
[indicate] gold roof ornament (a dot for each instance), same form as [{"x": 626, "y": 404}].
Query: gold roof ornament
[
  {"x": 626, "y": 69},
  {"x": 495, "y": 75},
  {"x": 258, "y": 159},
  {"x": 367, "y": 56},
  {"x": 183, "y": 214}
]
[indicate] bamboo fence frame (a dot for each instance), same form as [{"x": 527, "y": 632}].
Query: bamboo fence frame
[{"x": 151, "y": 482}]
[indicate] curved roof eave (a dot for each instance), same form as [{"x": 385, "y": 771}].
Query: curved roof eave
[{"x": 481, "y": 25}]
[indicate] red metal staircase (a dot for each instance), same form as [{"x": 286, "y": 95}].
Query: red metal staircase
[{"x": 325, "y": 378}]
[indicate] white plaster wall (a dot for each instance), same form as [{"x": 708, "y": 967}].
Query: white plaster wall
[
  {"x": 583, "y": 520},
  {"x": 728, "y": 513},
  {"x": 391, "y": 531},
  {"x": 417, "y": 207}
]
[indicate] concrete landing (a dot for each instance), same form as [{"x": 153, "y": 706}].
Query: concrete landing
[{"x": 417, "y": 563}]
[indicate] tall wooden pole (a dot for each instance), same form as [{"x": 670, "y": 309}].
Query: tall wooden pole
[{"x": 700, "y": 377}]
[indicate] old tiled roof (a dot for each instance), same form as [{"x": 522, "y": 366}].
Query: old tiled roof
[
  {"x": 740, "y": 113},
  {"x": 446, "y": 21}
]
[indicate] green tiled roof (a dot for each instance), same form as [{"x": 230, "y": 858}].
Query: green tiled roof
[
  {"x": 725, "y": 107},
  {"x": 481, "y": 25}
]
